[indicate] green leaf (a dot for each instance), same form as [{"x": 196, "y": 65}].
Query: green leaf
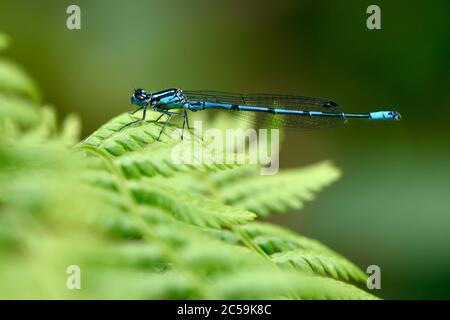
[
  {"x": 131, "y": 146},
  {"x": 14, "y": 80},
  {"x": 288, "y": 189},
  {"x": 290, "y": 249},
  {"x": 321, "y": 263},
  {"x": 20, "y": 111},
  {"x": 272, "y": 239},
  {"x": 190, "y": 208},
  {"x": 267, "y": 283},
  {"x": 71, "y": 128}
]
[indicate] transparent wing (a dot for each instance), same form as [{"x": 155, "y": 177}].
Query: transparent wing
[{"x": 274, "y": 101}]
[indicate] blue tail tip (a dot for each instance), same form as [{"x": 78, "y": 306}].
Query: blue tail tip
[
  {"x": 396, "y": 115},
  {"x": 385, "y": 115}
]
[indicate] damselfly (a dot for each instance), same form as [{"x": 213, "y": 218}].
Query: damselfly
[{"x": 285, "y": 111}]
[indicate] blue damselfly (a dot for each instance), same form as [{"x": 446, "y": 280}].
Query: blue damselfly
[{"x": 285, "y": 111}]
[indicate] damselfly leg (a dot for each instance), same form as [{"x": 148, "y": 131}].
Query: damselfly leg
[
  {"x": 186, "y": 120},
  {"x": 133, "y": 112},
  {"x": 136, "y": 121},
  {"x": 169, "y": 115}
]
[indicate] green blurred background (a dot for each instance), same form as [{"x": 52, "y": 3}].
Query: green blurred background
[{"x": 391, "y": 207}]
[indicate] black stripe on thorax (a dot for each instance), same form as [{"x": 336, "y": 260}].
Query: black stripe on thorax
[{"x": 162, "y": 94}]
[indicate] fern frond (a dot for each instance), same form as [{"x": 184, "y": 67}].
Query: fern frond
[
  {"x": 320, "y": 263},
  {"x": 190, "y": 208},
  {"x": 187, "y": 182},
  {"x": 228, "y": 177},
  {"x": 290, "y": 249},
  {"x": 145, "y": 227},
  {"x": 22, "y": 112},
  {"x": 70, "y": 130},
  {"x": 288, "y": 189},
  {"x": 131, "y": 148},
  {"x": 265, "y": 283},
  {"x": 13, "y": 80},
  {"x": 272, "y": 238},
  {"x": 117, "y": 283}
]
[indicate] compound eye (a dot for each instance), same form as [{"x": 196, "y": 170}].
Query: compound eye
[{"x": 140, "y": 94}]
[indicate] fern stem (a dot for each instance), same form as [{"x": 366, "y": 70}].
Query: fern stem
[{"x": 249, "y": 243}]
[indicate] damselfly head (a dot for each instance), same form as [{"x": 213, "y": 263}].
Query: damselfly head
[{"x": 140, "y": 97}]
